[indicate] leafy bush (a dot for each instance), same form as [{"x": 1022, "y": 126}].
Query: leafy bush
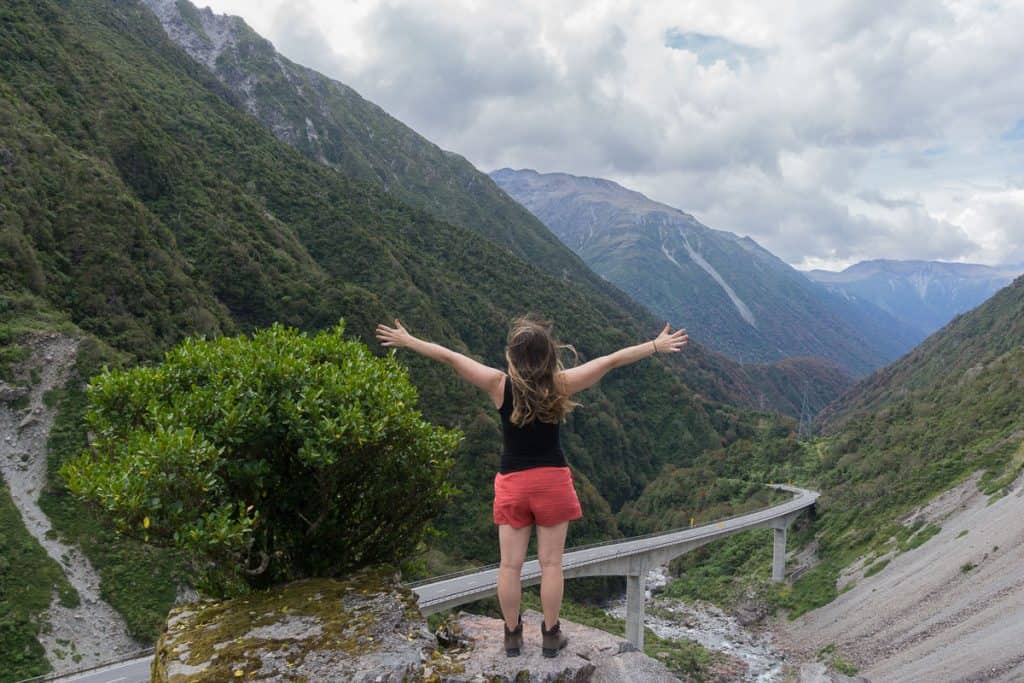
[{"x": 266, "y": 459}]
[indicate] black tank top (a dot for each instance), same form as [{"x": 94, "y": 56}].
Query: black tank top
[{"x": 533, "y": 445}]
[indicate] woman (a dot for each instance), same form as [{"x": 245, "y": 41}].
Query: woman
[{"x": 534, "y": 486}]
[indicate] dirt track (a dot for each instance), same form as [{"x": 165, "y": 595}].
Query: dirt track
[{"x": 927, "y": 616}]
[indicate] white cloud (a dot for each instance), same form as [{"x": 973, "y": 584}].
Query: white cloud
[{"x": 830, "y": 132}]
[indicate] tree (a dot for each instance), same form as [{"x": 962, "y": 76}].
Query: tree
[{"x": 266, "y": 459}]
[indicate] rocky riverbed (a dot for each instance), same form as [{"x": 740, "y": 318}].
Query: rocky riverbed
[{"x": 711, "y": 627}]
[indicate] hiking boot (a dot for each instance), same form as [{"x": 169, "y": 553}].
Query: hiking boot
[
  {"x": 554, "y": 640},
  {"x": 514, "y": 639}
]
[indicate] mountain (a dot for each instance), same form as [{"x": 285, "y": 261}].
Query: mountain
[
  {"x": 731, "y": 293},
  {"x": 142, "y": 203},
  {"x": 952, "y": 405},
  {"x": 329, "y": 122},
  {"x": 949, "y": 409},
  {"x": 927, "y": 452},
  {"x": 923, "y": 294}
]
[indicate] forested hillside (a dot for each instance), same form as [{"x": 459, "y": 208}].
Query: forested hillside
[{"x": 329, "y": 122}]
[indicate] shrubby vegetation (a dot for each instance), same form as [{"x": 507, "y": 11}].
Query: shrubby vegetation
[
  {"x": 266, "y": 459},
  {"x": 683, "y": 495}
]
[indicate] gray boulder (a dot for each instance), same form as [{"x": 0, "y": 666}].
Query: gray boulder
[
  {"x": 363, "y": 628},
  {"x": 819, "y": 673}
]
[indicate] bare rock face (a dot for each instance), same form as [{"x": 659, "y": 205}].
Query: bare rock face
[
  {"x": 592, "y": 655},
  {"x": 363, "y": 628}
]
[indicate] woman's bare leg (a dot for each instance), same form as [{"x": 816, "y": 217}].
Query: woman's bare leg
[
  {"x": 513, "y": 543},
  {"x": 550, "y": 546}
]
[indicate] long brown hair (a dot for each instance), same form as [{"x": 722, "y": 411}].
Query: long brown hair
[{"x": 533, "y": 365}]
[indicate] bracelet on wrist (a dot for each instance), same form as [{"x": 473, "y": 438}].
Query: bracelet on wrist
[{"x": 655, "y": 345}]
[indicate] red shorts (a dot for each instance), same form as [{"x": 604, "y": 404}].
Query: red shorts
[{"x": 540, "y": 495}]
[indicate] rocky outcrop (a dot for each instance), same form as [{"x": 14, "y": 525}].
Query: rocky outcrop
[
  {"x": 368, "y": 628},
  {"x": 363, "y": 628}
]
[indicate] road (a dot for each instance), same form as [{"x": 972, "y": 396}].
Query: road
[{"x": 132, "y": 671}]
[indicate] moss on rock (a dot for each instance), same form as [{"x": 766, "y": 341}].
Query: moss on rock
[{"x": 362, "y": 626}]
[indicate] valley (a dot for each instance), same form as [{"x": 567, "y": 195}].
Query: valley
[{"x": 166, "y": 173}]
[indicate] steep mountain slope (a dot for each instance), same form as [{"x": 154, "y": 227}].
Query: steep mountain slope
[
  {"x": 921, "y": 447},
  {"x": 923, "y": 294},
  {"x": 329, "y": 122},
  {"x": 733, "y": 295},
  {"x": 952, "y": 407},
  {"x": 947, "y": 611},
  {"x": 923, "y": 453},
  {"x": 947, "y": 363}
]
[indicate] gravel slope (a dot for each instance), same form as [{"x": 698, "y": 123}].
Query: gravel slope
[
  {"x": 927, "y": 616},
  {"x": 95, "y": 630}
]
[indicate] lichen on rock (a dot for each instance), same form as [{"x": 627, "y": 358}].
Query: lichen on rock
[{"x": 364, "y": 627}]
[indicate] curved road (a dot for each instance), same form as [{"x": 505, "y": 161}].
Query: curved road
[{"x": 605, "y": 559}]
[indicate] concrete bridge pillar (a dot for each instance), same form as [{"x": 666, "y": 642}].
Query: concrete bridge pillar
[
  {"x": 779, "y": 555},
  {"x": 779, "y": 551},
  {"x": 635, "y": 594}
]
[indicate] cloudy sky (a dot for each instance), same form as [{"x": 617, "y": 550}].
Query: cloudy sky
[{"x": 830, "y": 132}]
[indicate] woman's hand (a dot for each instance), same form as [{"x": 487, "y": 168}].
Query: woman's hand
[
  {"x": 671, "y": 342},
  {"x": 393, "y": 336}
]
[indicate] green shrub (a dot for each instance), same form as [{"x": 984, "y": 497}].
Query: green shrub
[
  {"x": 266, "y": 459},
  {"x": 919, "y": 537},
  {"x": 877, "y": 567}
]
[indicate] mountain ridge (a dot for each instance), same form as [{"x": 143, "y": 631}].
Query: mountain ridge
[
  {"x": 736, "y": 296},
  {"x": 923, "y": 294}
]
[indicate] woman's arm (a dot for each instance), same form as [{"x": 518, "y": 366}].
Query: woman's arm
[
  {"x": 479, "y": 375},
  {"x": 590, "y": 373}
]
